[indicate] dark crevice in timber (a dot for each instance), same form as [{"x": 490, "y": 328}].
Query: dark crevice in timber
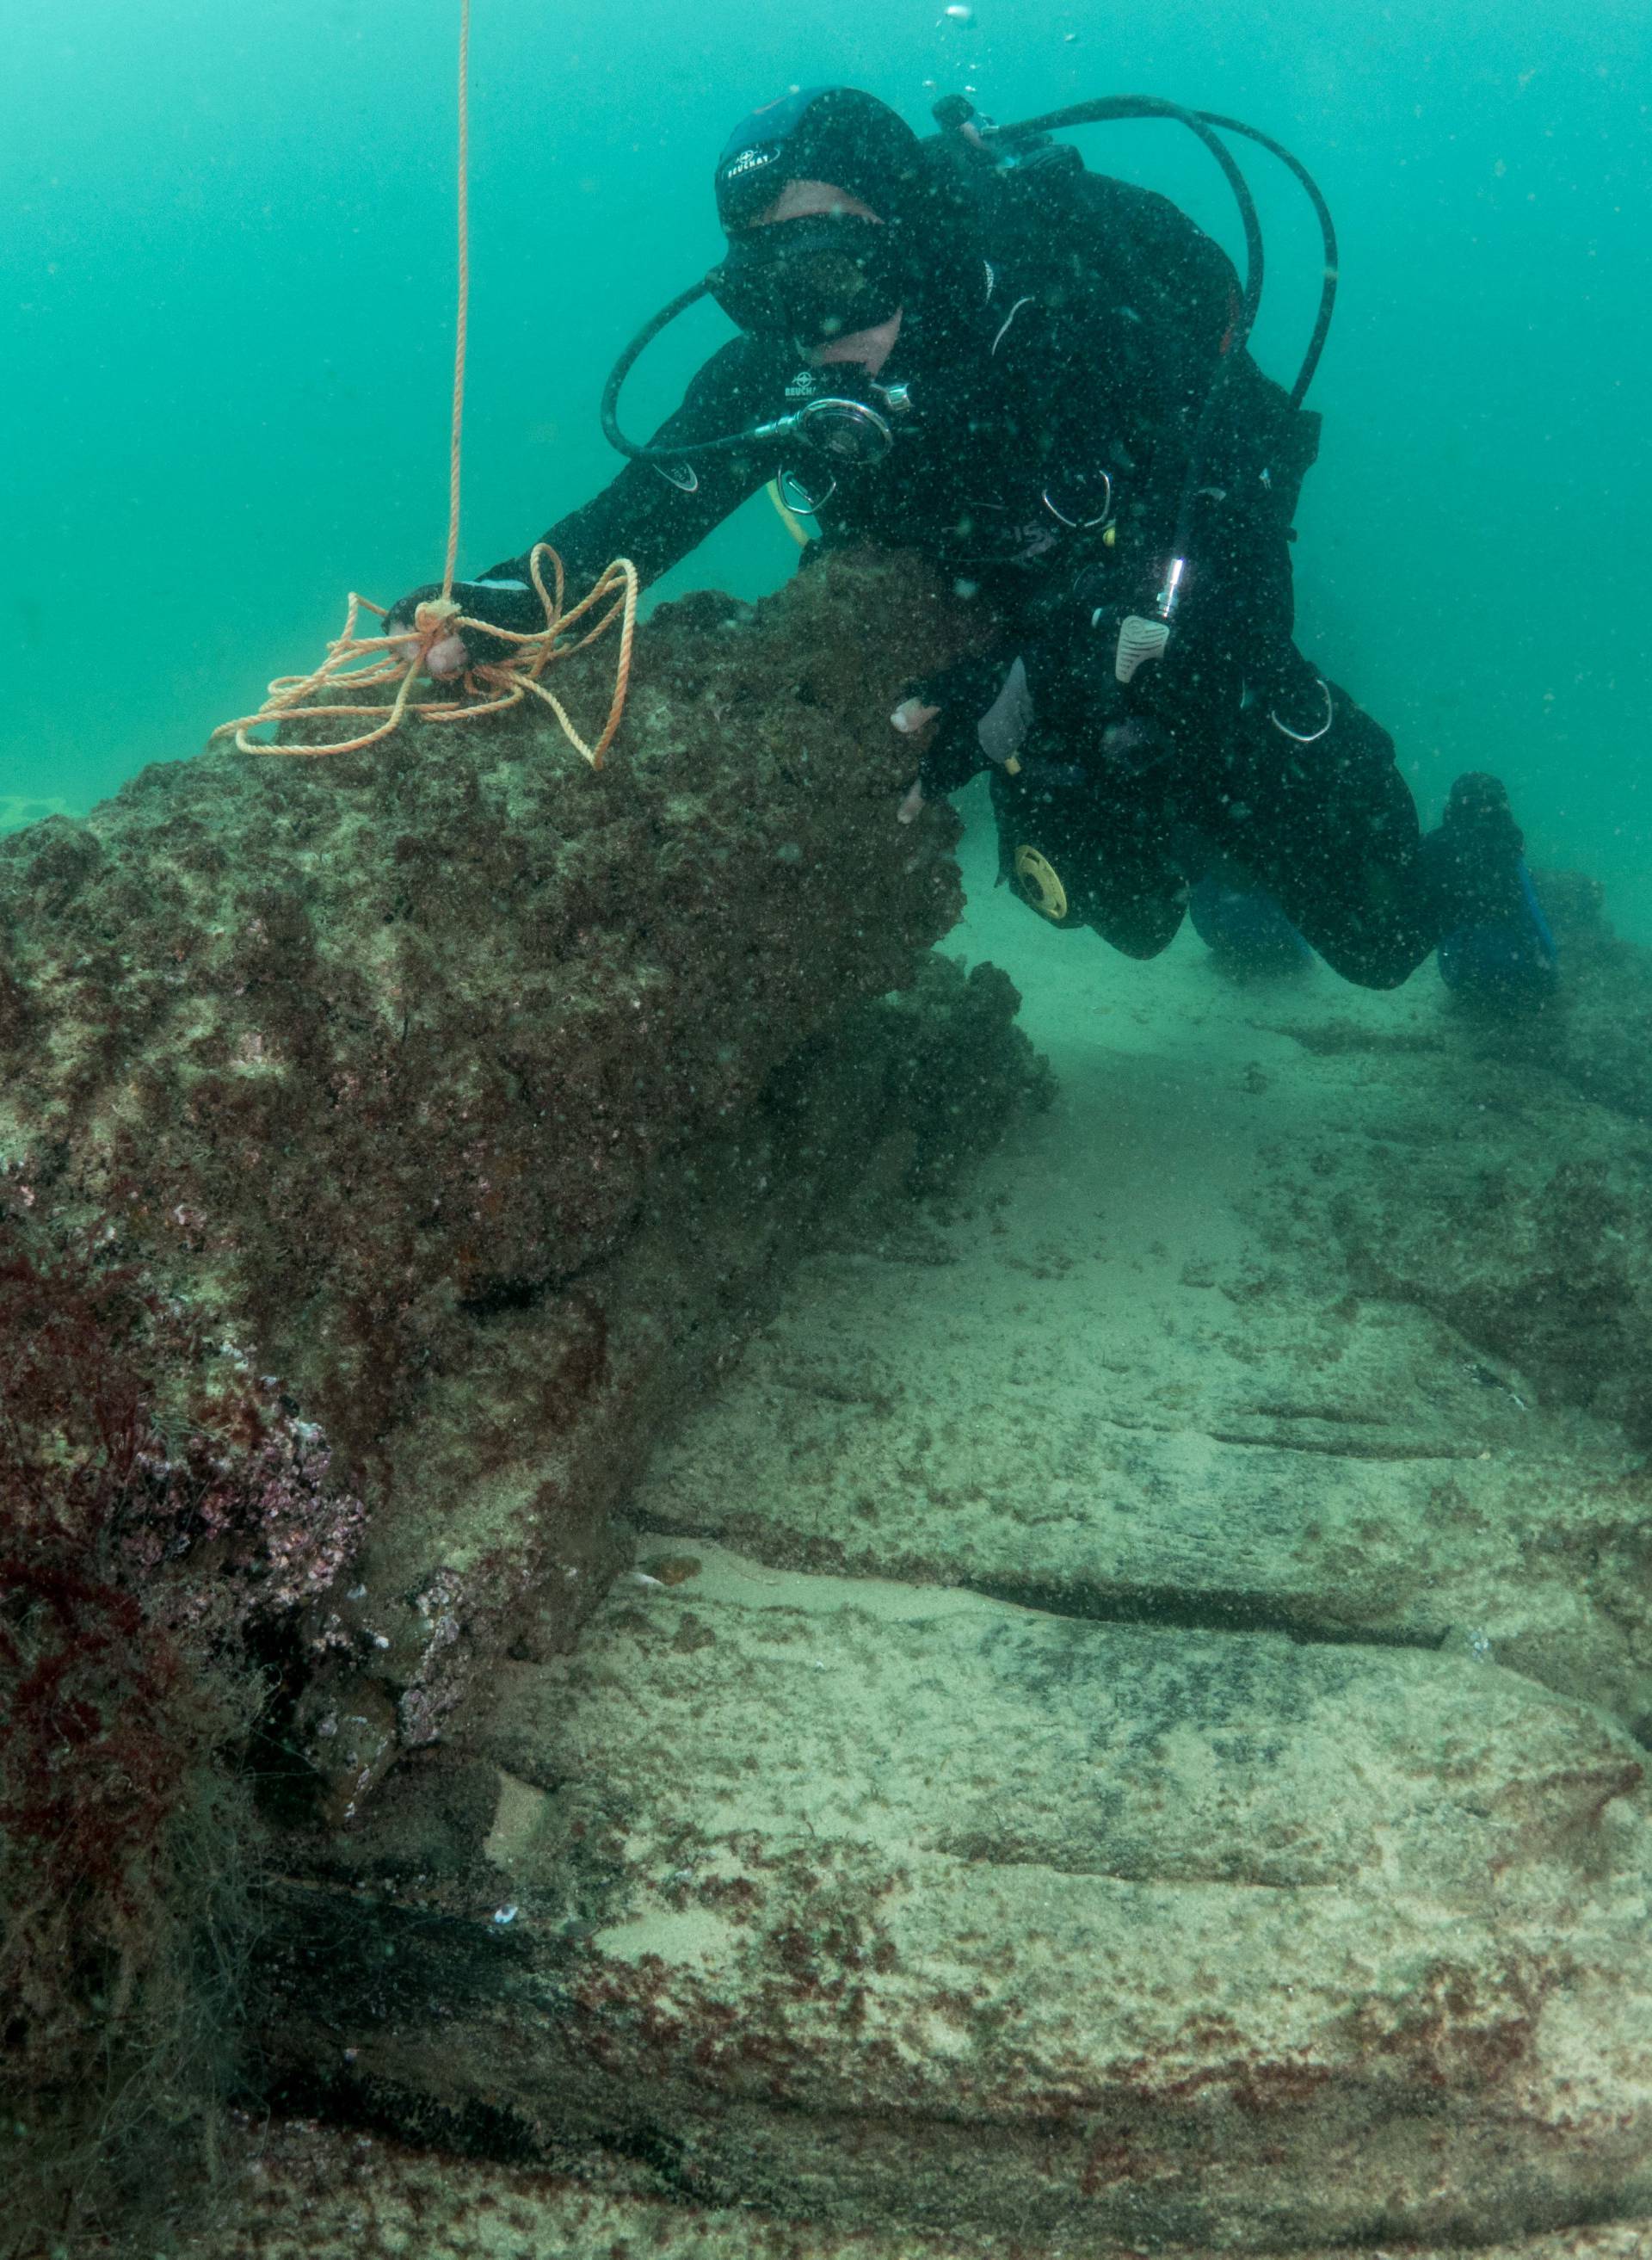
[
  {"x": 1169, "y": 1608},
  {"x": 468, "y": 2129},
  {"x": 1344, "y": 1447}
]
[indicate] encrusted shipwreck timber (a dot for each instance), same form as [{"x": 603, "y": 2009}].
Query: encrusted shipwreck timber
[
  {"x": 472, "y": 1094},
  {"x": 1147, "y": 1756},
  {"x": 391, "y": 1144}
]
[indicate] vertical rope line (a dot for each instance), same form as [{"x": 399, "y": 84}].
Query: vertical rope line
[
  {"x": 386, "y": 657},
  {"x": 464, "y": 296}
]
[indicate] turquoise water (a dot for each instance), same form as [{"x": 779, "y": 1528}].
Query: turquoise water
[{"x": 228, "y": 279}]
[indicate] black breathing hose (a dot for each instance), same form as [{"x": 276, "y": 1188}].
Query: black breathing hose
[
  {"x": 628, "y": 362},
  {"x": 1328, "y": 236},
  {"x": 622, "y": 370}
]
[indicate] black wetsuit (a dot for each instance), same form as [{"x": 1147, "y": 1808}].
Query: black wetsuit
[{"x": 1057, "y": 367}]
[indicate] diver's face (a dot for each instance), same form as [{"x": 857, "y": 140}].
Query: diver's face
[{"x": 868, "y": 347}]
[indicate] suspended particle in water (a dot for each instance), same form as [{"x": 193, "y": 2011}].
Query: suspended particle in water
[{"x": 958, "y": 14}]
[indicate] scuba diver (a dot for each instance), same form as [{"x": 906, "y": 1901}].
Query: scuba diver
[{"x": 1037, "y": 376}]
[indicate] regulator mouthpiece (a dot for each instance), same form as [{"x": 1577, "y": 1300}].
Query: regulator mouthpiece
[{"x": 844, "y": 430}]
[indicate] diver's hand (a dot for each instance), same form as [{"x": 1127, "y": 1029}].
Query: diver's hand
[
  {"x": 913, "y": 719},
  {"x": 502, "y": 599},
  {"x": 966, "y": 720},
  {"x": 911, "y": 716}
]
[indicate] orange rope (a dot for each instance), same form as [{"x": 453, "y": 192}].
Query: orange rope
[
  {"x": 462, "y": 322},
  {"x": 356, "y": 663}
]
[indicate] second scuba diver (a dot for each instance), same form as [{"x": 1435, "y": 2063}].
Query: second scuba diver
[{"x": 1036, "y": 376}]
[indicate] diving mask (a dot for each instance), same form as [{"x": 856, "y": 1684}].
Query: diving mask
[{"x": 827, "y": 275}]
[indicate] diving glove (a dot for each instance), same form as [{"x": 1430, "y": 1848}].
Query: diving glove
[
  {"x": 504, "y": 597},
  {"x": 985, "y": 711}
]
